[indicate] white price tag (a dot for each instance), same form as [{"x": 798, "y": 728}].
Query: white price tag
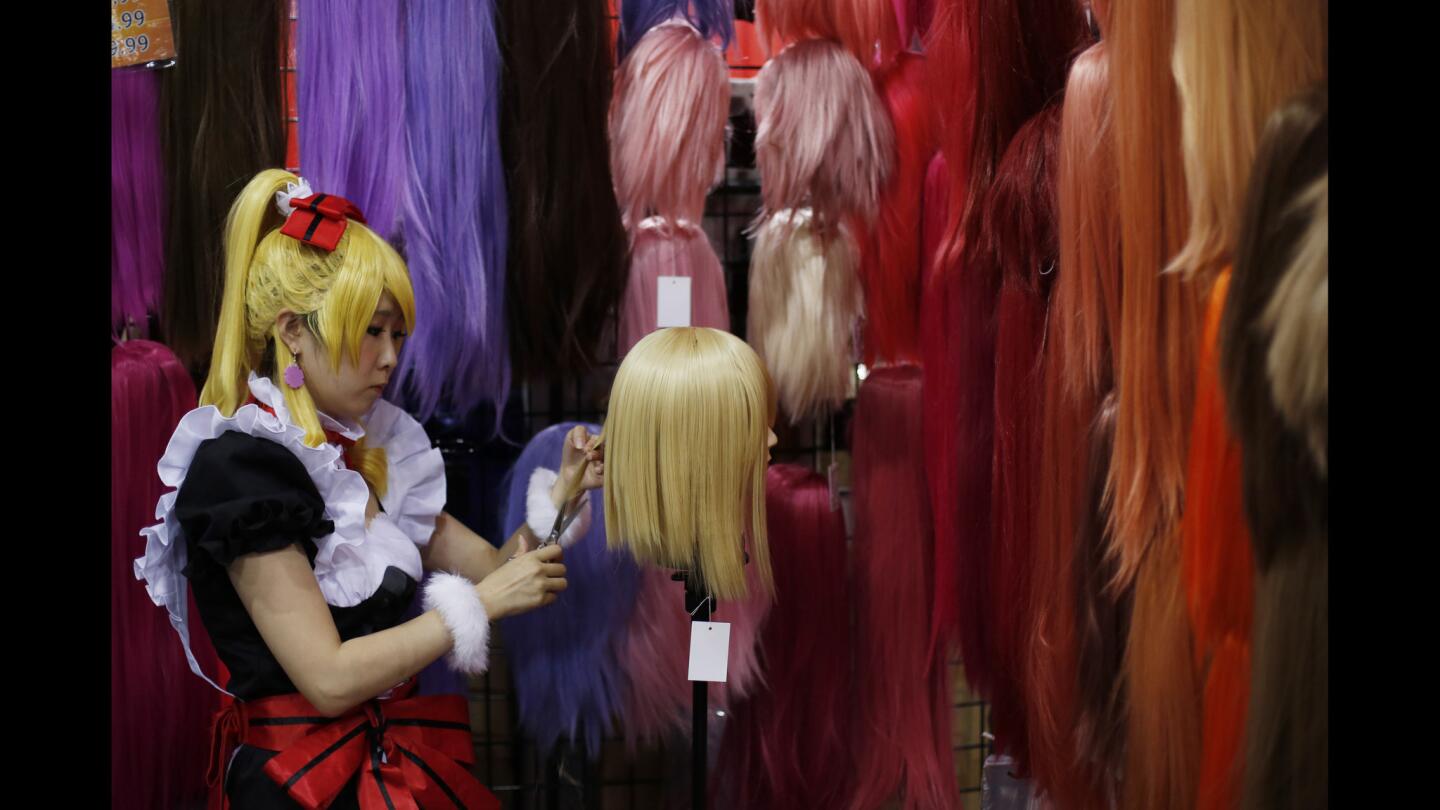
[
  {"x": 672, "y": 301},
  {"x": 709, "y": 651}
]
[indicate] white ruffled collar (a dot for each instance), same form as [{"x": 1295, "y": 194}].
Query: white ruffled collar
[
  {"x": 350, "y": 563},
  {"x": 265, "y": 390}
]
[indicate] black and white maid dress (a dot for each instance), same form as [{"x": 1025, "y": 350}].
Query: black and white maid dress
[{"x": 248, "y": 483}]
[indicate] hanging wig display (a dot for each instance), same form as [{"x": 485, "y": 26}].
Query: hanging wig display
[
  {"x": 667, "y": 124},
  {"x": 805, "y": 695},
  {"x": 1073, "y": 629},
  {"x": 902, "y": 736},
  {"x": 892, "y": 257},
  {"x": 1235, "y": 63},
  {"x": 453, "y": 214},
  {"x": 566, "y": 266},
  {"x": 713, "y": 19},
  {"x": 1274, "y": 359},
  {"x": 660, "y": 249},
  {"x": 350, "y": 71},
  {"x": 1018, "y": 67},
  {"x": 159, "y": 712},
  {"x": 667, "y": 147},
  {"x": 569, "y": 682},
  {"x": 949, "y": 80},
  {"x": 1264, "y": 54},
  {"x": 859, "y": 25},
  {"x": 137, "y": 201},
  {"x": 1159, "y": 334},
  {"x": 224, "y": 120},
  {"x": 804, "y": 298},
  {"x": 1022, "y": 221},
  {"x": 823, "y": 138},
  {"x": 689, "y": 418}
]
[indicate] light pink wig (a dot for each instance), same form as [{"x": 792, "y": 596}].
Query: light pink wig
[
  {"x": 667, "y": 124},
  {"x": 661, "y": 248},
  {"x": 823, "y": 137}
]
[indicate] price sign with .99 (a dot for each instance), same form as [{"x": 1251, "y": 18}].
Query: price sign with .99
[{"x": 139, "y": 32}]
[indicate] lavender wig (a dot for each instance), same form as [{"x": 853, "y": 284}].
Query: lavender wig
[
  {"x": 137, "y": 199},
  {"x": 351, "y": 77},
  {"x": 453, "y": 216},
  {"x": 563, "y": 656}
]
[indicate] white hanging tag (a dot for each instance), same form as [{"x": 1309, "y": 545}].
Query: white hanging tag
[
  {"x": 672, "y": 301},
  {"x": 709, "y": 651}
]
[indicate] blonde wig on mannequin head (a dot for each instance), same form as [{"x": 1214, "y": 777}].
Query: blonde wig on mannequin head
[
  {"x": 823, "y": 136},
  {"x": 685, "y": 452},
  {"x": 805, "y": 295},
  {"x": 1235, "y": 62},
  {"x": 667, "y": 124},
  {"x": 335, "y": 292}
]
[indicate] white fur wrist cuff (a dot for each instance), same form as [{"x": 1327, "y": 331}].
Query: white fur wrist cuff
[
  {"x": 540, "y": 510},
  {"x": 464, "y": 616}
]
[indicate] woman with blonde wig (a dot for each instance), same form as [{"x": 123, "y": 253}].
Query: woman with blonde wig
[{"x": 305, "y": 509}]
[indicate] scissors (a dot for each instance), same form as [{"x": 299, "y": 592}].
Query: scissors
[{"x": 575, "y": 500}]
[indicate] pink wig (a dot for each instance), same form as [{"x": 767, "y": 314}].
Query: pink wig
[
  {"x": 891, "y": 267},
  {"x": 662, "y": 248},
  {"x": 159, "y": 711},
  {"x": 804, "y": 298},
  {"x": 667, "y": 124},
  {"x": 903, "y": 738},
  {"x": 655, "y": 654},
  {"x": 823, "y": 139}
]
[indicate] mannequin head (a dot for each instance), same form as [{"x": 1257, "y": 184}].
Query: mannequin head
[{"x": 686, "y": 442}]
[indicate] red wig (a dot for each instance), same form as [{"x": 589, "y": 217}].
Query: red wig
[
  {"x": 1020, "y": 218},
  {"x": 891, "y": 263},
  {"x": 903, "y": 739},
  {"x": 806, "y": 642}
]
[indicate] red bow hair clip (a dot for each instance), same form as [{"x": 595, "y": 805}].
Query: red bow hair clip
[{"x": 318, "y": 219}]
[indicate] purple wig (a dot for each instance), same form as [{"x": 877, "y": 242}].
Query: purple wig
[
  {"x": 159, "y": 712},
  {"x": 137, "y": 199},
  {"x": 351, "y": 80},
  {"x": 453, "y": 216},
  {"x": 563, "y": 657},
  {"x": 713, "y": 18}
]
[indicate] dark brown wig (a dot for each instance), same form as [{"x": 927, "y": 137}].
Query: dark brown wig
[
  {"x": 1284, "y": 242},
  {"x": 567, "y": 251},
  {"x": 223, "y": 120}
]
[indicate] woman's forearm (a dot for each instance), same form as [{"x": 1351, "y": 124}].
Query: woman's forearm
[{"x": 457, "y": 549}]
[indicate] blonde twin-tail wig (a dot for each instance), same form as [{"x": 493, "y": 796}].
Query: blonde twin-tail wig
[
  {"x": 335, "y": 292},
  {"x": 1235, "y": 62},
  {"x": 685, "y": 456}
]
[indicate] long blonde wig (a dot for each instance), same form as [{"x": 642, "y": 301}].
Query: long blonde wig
[
  {"x": 336, "y": 293},
  {"x": 1235, "y": 62},
  {"x": 685, "y": 456}
]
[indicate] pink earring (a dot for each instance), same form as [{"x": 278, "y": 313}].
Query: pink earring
[{"x": 294, "y": 375}]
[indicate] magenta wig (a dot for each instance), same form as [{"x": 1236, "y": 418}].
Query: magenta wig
[
  {"x": 137, "y": 200},
  {"x": 159, "y": 712}
]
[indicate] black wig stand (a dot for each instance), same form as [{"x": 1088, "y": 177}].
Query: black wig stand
[{"x": 699, "y": 605}]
